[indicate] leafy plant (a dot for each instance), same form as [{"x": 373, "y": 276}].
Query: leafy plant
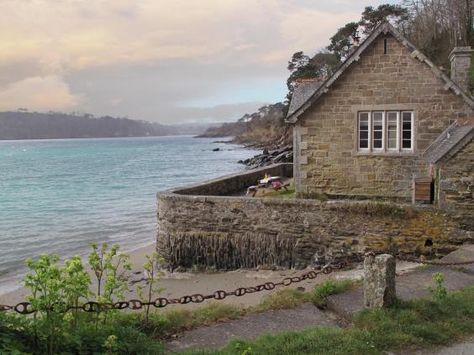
[
  {"x": 76, "y": 283},
  {"x": 152, "y": 275},
  {"x": 439, "y": 292},
  {"x": 45, "y": 282},
  {"x": 111, "y": 344},
  {"x": 111, "y": 271}
]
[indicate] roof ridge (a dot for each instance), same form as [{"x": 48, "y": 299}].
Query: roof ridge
[
  {"x": 384, "y": 27},
  {"x": 449, "y": 139}
]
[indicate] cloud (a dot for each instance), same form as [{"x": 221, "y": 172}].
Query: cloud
[
  {"x": 150, "y": 58},
  {"x": 38, "y": 93}
]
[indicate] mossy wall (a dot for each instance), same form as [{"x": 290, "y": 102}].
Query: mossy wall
[{"x": 218, "y": 232}]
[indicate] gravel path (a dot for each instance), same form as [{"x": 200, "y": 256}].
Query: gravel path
[{"x": 251, "y": 326}]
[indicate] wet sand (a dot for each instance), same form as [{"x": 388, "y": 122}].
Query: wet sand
[{"x": 188, "y": 283}]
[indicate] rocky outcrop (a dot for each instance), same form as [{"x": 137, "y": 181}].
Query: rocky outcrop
[{"x": 280, "y": 155}]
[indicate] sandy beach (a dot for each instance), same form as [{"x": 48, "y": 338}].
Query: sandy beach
[{"x": 187, "y": 283}]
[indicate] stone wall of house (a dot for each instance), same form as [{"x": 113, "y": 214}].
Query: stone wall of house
[
  {"x": 326, "y": 158},
  {"x": 456, "y": 186},
  {"x": 226, "y": 232}
]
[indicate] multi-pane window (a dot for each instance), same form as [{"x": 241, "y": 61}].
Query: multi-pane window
[
  {"x": 364, "y": 130},
  {"x": 385, "y": 131},
  {"x": 407, "y": 130}
]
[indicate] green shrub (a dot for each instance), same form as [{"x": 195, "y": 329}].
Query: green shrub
[{"x": 328, "y": 288}]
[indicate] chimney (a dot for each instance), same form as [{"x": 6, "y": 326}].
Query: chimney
[{"x": 460, "y": 58}]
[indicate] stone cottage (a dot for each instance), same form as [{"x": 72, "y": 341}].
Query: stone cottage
[{"x": 386, "y": 118}]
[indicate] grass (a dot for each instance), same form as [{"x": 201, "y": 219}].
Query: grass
[
  {"x": 282, "y": 193},
  {"x": 283, "y": 299},
  {"x": 163, "y": 324},
  {"x": 413, "y": 324},
  {"x": 330, "y": 287}
]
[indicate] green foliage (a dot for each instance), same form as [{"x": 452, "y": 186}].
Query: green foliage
[
  {"x": 285, "y": 298},
  {"x": 439, "y": 292},
  {"x": 47, "y": 296},
  {"x": 342, "y": 41},
  {"x": 328, "y": 288},
  {"x": 152, "y": 275},
  {"x": 371, "y": 17},
  {"x": 302, "y": 66},
  {"x": 55, "y": 288},
  {"x": 110, "y": 268}
]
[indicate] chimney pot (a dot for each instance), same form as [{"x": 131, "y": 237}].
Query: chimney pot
[{"x": 460, "y": 58}]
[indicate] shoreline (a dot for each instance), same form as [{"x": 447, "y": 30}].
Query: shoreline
[
  {"x": 137, "y": 258},
  {"x": 13, "y": 274}
]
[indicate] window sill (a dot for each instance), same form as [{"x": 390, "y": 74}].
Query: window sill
[{"x": 385, "y": 154}]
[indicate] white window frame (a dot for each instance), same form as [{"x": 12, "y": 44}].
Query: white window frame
[
  {"x": 411, "y": 133},
  {"x": 397, "y": 131},
  {"x": 385, "y": 141},
  {"x": 369, "y": 132},
  {"x": 372, "y": 138}
]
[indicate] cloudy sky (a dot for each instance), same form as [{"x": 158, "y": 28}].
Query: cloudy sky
[{"x": 161, "y": 60}]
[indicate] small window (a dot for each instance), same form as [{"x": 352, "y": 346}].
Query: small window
[
  {"x": 377, "y": 129},
  {"x": 364, "y": 130},
  {"x": 407, "y": 130},
  {"x": 392, "y": 130}
]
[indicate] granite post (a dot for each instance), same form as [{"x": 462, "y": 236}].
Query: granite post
[{"x": 379, "y": 281}]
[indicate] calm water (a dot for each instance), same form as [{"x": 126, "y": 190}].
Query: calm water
[{"x": 58, "y": 196}]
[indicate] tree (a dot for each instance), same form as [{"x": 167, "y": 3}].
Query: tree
[
  {"x": 302, "y": 66},
  {"x": 371, "y": 18},
  {"x": 343, "y": 40}
]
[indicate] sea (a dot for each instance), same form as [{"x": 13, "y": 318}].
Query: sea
[{"x": 59, "y": 196}]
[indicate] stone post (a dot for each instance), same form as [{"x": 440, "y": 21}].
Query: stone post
[{"x": 379, "y": 281}]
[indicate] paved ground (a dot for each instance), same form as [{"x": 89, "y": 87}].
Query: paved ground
[
  {"x": 464, "y": 348},
  {"x": 253, "y": 325},
  {"x": 409, "y": 286}
]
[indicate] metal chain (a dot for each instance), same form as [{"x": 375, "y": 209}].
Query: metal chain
[{"x": 136, "y": 304}]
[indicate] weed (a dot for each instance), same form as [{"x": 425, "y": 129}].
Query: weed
[
  {"x": 328, "y": 288},
  {"x": 439, "y": 292},
  {"x": 286, "y": 298}
]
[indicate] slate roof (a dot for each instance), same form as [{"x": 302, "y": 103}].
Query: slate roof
[
  {"x": 454, "y": 138},
  {"x": 310, "y": 96},
  {"x": 302, "y": 92}
]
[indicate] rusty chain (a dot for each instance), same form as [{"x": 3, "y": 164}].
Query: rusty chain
[{"x": 160, "y": 302}]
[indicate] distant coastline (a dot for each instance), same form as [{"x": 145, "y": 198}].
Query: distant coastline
[{"x": 20, "y": 125}]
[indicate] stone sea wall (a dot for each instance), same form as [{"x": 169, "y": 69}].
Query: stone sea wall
[{"x": 230, "y": 232}]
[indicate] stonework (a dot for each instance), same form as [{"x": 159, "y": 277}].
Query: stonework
[
  {"x": 455, "y": 177},
  {"x": 460, "y": 58},
  {"x": 231, "y": 232},
  {"x": 326, "y": 156},
  {"x": 379, "y": 281}
]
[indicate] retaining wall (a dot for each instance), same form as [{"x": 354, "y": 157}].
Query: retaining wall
[{"x": 230, "y": 232}]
